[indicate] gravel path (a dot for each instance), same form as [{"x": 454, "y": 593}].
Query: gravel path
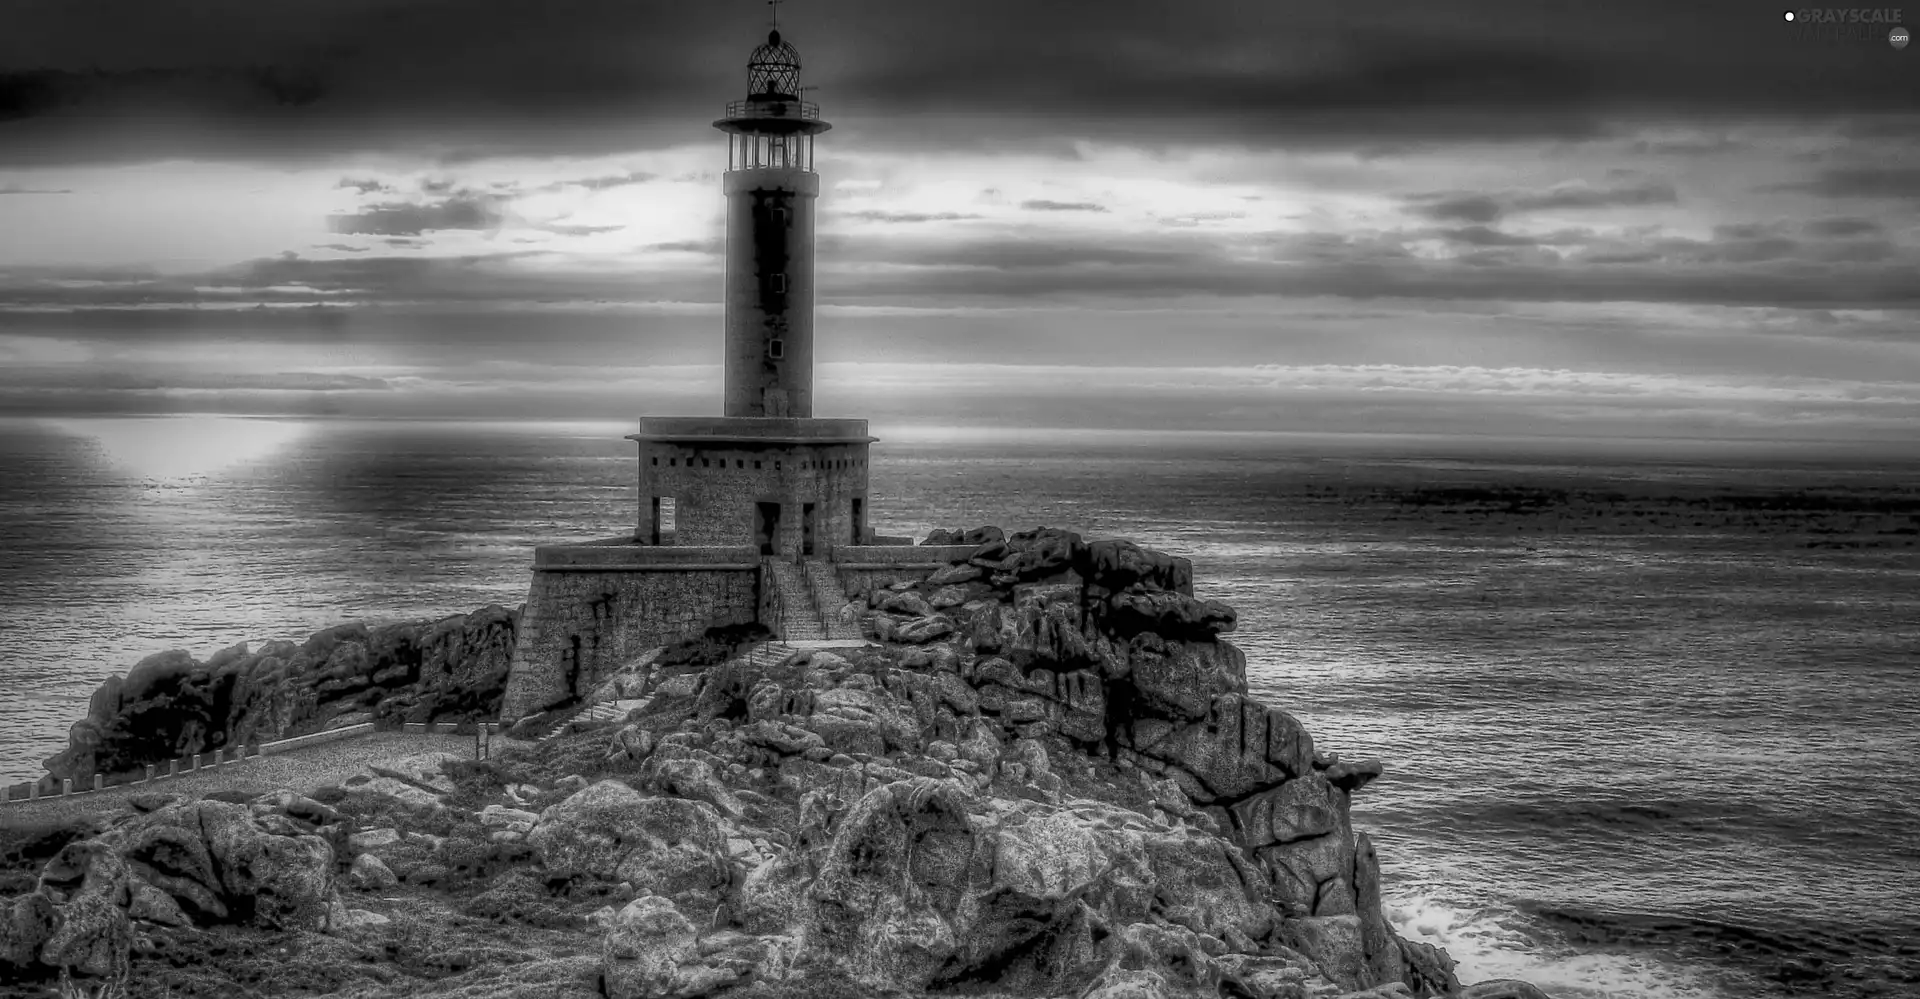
[{"x": 302, "y": 770}]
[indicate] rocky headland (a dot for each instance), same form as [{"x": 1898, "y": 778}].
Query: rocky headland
[
  {"x": 170, "y": 705},
  {"x": 1046, "y": 779}
]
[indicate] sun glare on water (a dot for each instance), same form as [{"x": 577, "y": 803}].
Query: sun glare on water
[{"x": 177, "y": 449}]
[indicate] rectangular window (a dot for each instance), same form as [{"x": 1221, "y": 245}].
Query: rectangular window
[
  {"x": 756, "y": 466},
  {"x": 739, "y": 463},
  {"x": 661, "y": 531},
  {"x": 776, "y": 348},
  {"x": 780, "y": 215},
  {"x": 778, "y": 283},
  {"x": 656, "y": 462}
]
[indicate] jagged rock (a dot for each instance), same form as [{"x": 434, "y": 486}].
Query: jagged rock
[
  {"x": 610, "y": 831},
  {"x": 169, "y": 706},
  {"x": 1044, "y": 553},
  {"x": 908, "y": 603},
  {"x": 1170, "y": 615},
  {"x": 1351, "y": 777},
  {"x": 880, "y": 910},
  {"x": 922, "y": 630},
  {"x": 370, "y": 873},
  {"x": 1333, "y": 942},
  {"x": 373, "y": 839},
  {"x": 1115, "y": 565},
  {"x": 1237, "y": 748},
  {"x": 1050, "y": 782},
  {"x": 150, "y": 904},
  {"x": 691, "y": 779},
  {"x": 1314, "y": 871},
  {"x": 955, "y": 574},
  {"x": 514, "y": 820},
  {"x": 1502, "y": 989},
  {"x": 1180, "y": 679}
]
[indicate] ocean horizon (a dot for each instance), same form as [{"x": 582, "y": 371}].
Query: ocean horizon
[{"x": 1646, "y": 706}]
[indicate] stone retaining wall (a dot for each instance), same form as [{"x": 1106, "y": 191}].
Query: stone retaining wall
[{"x": 582, "y": 624}]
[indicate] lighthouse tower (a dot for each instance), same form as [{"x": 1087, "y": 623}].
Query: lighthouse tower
[
  {"x": 746, "y": 517},
  {"x": 771, "y": 192},
  {"x": 767, "y": 475}
]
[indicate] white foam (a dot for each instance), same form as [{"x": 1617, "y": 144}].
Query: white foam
[{"x": 1493, "y": 943}]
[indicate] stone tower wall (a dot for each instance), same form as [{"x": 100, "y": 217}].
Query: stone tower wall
[
  {"x": 769, "y": 291},
  {"x": 580, "y": 625},
  {"x": 715, "y": 489}
]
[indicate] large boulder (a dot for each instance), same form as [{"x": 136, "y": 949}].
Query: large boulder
[
  {"x": 1043, "y": 553},
  {"x": 882, "y": 908},
  {"x": 1180, "y": 678},
  {"x": 612, "y": 832},
  {"x": 1115, "y": 565},
  {"x": 1237, "y": 748}
]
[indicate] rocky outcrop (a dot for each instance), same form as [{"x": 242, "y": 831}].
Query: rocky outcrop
[
  {"x": 1049, "y": 779},
  {"x": 268, "y": 864},
  {"x": 168, "y": 705}
]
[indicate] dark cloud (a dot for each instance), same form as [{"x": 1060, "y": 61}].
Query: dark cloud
[
  {"x": 1043, "y": 205},
  {"x": 909, "y": 217},
  {"x": 129, "y": 79},
  {"x": 343, "y": 247},
  {"x": 580, "y": 230},
  {"x": 1479, "y": 235},
  {"x": 12, "y": 189},
  {"x": 1463, "y": 206},
  {"x": 366, "y": 186},
  {"x": 400, "y": 218},
  {"x": 1862, "y": 182},
  {"x": 1759, "y": 264},
  {"x": 702, "y": 246},
  {"x": 604, "y": 183},
  {"x": 1844, "y": 225},
  {"x": 1459, "y": 208}
]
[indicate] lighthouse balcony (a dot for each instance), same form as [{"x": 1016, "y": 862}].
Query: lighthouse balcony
[{"x": 774, "y": 107}]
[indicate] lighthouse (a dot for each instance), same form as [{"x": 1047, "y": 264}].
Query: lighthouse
[
  {"x": 771, "y": 192},
  {"x": 758, "y": 515},
  {"x": 767, "y": 474}
]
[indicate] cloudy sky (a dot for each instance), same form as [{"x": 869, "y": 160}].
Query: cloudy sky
[{"x": 1635, "y": 218}]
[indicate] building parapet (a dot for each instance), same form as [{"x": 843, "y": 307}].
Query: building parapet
[
  {"x": 889, "y": 556},
  {"x": 618, "y": 556},
  {"x": 751, "y": 430}
]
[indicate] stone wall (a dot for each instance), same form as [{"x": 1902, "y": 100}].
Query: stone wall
[
  {"x": 715, "y": 487},
  {"x": 583, "y": 623}
]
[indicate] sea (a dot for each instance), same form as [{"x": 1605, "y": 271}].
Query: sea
[{"x": 1649, "y": 710}]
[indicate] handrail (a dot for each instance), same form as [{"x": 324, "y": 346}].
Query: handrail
[{"x": 809, "y": 111}]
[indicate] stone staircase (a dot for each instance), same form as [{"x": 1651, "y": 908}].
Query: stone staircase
[
  {"x": 605, "y": 704},
  {"x": 799, "y": 618},
  {"x": 840, "y": 620}
]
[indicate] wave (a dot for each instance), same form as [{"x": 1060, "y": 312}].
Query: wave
[
  {"x": 1494, "y": 942},
  {"x": 1792, "y": 957}
]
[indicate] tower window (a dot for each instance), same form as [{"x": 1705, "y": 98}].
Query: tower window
[
  {"x": 780, "y": 215},
  {"x": 776, "y": 348},
  {"x": 778, "y": 283}
]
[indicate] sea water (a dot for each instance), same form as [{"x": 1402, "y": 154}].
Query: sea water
[{"x": 1649, "y": 710}]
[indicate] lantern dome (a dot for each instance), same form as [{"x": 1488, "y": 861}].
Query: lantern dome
[{"x": 774, "y": 69}]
